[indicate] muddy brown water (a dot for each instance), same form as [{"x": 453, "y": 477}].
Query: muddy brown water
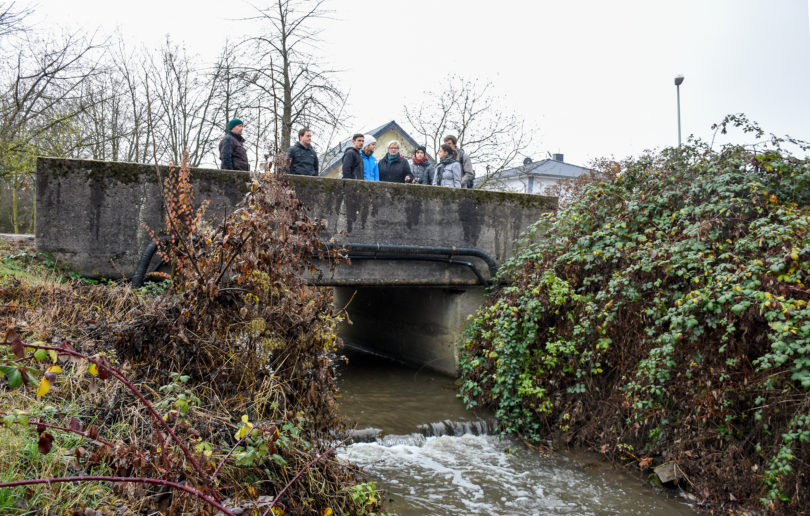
[{"x": 433, "y": 457}]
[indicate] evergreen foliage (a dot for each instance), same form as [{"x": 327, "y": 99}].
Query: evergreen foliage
[{"x": 663, "y": 315}]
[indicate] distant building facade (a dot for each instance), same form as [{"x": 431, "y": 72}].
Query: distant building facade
[
  {"x": 532, "y": 176},
  {"x": 385, "y": 134}
]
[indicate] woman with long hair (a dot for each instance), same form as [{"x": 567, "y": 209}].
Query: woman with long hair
[{"x": 448, "y": 170}]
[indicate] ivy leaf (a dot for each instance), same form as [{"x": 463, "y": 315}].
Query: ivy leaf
[{"x": 45, "y": 443}]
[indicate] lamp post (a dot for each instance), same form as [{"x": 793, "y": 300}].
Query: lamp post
[{"x": 678, "y": 81}]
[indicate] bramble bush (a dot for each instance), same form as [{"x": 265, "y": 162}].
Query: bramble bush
[{"x": 662, "y": 314}]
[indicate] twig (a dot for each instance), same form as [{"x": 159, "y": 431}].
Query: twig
[
  {"x": 301, "y": 472},
  {"x": 196, "y": 492}
]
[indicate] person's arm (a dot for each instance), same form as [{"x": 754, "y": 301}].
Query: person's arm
[
  {"x": 409, "y": 173},
  {"x": 455, "y": 168},
  {"x": 227, "y": 153},
  {"x": 348, "y": 165},
  {"x": 467, "y": 167},
  {"x": 317, "y": 172}
]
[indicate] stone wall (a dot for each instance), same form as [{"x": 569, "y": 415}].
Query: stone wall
[{"x": 93, "y": 216}]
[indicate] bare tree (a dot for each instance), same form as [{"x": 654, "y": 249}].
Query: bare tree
[
  {"x": 41, "y": 93},
  {"x": 286, "y": 71},
  {"x": 494, "y": 139}
]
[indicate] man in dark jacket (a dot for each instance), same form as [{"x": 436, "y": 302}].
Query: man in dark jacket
[
  {"x": 352, "y": 160},
  {"x": 301, "y": 157},
  {"x": 232, "y": 153}
]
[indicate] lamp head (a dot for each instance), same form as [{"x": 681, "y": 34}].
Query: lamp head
[{"x": 678, "y": 80}]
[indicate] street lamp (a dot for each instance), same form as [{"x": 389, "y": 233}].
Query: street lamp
[{"x": 678, "y": 81}]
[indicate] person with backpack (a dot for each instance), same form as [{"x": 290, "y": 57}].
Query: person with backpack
[
  {"x": 448, "y": 170},
  {"x": 468, "y": 174},
  {"x": 393, "y": 167},
  {"x": 421, "y": 167}
]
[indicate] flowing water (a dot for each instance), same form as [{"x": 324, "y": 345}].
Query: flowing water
[{"x": 432, "y": 457}]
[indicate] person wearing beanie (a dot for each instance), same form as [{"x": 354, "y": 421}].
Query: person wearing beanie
[
  {"x": 371, "y": 172},
  {"x": 421, "y": 167},
  {"x": 302, "y": 159},
  {"x": 232, "y": 154}
]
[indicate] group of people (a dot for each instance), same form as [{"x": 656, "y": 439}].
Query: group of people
[{"x": 453, "y": 167}]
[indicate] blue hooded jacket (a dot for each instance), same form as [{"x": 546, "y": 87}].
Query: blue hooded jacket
[{"x": 371, "y": 171}]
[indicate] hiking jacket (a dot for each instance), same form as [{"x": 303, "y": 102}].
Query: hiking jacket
[
  {"x": 303, "y": 160},
  {"x": 371, "y": 172},
  {"x": 423, "y": 173},
  {"x": 352, "y": 164},
  {"x": 448, "y": 173},
  {"x": 395, "y": 172},
  {"x": 232, "y": 154}
]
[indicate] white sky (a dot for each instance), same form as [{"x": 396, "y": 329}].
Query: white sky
[{"x": 594, "y": 78}]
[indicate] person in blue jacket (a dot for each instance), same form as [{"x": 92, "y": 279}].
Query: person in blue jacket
[{"x": 371, "y": 171}]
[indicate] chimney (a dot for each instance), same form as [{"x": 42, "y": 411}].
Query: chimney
[{"x": 557, "y": 157}]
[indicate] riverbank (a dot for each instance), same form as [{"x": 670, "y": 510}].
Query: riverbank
[
  {"x": 214, "y": 391},
  {"x": 665, "y": 322}
]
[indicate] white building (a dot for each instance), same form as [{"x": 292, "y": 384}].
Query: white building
[{"x": 531, "y": 177}]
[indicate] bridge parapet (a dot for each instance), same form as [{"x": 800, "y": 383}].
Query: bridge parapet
[{"x": 93, "y": 216}]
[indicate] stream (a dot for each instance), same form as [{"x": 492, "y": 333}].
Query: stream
[{"x": 430, "y": 456}]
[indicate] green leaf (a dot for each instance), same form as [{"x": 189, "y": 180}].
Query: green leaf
[
  {"x": 41, "y": 355},
  {"x": 13, "y": 376}
]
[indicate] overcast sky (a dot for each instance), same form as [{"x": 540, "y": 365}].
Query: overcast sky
[{"x": 593, "y": 78}]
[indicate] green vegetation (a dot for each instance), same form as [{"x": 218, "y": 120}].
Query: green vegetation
[
  {"x": 663, "y": 314},
  {"x": 216, "y": 389}
]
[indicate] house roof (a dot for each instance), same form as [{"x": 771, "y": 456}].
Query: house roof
[
  {"x": 332, "y": 158},
  {"x": 546, "y": 167}
]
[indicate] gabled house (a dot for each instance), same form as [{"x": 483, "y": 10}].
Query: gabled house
[
  {"x": 332, "y": 162},
  {"x": 532, "y": 176}
]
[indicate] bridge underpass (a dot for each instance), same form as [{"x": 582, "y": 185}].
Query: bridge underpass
[{"x": 420, "y": 254}]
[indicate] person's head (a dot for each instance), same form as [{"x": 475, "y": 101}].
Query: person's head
[
  {"x": 371, "y": 144},
  {"x": 451, "y": 140},
  {"x": 419, "y": 155},
  {"x": 305, "y": 136},
  {"x": 357, "y": 141},
  {"x": 447, "y": 150},
  {"x": 235, "y": 126},
  {"x": 393, "y": 148}
]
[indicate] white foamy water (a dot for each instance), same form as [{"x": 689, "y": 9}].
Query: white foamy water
[{"x": 481, "y": 474}]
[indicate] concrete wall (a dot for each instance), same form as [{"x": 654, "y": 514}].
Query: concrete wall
[{"x": 93, "y": 216}]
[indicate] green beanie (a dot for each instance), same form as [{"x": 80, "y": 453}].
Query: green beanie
[{"x": 233, "y": 123}]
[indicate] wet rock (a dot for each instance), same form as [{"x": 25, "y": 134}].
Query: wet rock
[{"x": 668, "y": 473}]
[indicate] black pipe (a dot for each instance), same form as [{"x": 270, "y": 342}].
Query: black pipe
[
  {"x": 427, "y": 250},
  {"x": 139, "y": 276}
]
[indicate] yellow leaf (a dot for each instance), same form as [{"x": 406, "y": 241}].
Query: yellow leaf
[
  {"x": 93, "y": 369},
  {"x": 207, "y": 453},
  {"x": 326, "y": 512},
  {"x": 245, "y": 418},
  {"x": 252, "y": 491},
  {"x": 44, "y": 387},
  {"x": 54, "y": 356},
  {"x": 55, "y": 369}
]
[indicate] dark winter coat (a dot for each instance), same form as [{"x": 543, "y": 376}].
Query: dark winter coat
[
  {"x": 395, "y": 172},
  {"x": 303, "y": 160},
  {"x": 232, "y": 154},
  {"x": 352, "y": 164},
  {"x": 423, "y": 173},
  {"x": 448, "y": 173}
]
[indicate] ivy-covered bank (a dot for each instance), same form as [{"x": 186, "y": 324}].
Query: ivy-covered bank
[{"x": 664, "y": 316}]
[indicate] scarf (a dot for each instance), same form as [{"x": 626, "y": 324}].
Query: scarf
[
  {"x": 447, "y": 160},
  {"x": 420, "y": 161},
  {"x": 391, "y": 158}
]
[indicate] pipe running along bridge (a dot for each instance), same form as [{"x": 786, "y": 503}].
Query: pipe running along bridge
[{"x": 421, "y": 256}]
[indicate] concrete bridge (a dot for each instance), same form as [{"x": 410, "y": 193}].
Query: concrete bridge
[{"x": 420, "y": 253}]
